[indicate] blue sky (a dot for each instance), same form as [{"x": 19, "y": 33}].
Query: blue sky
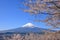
[{"x": 12, "y": 17}]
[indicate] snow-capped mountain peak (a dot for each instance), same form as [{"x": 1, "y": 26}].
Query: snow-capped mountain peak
[{"x": 28, "y": 25}]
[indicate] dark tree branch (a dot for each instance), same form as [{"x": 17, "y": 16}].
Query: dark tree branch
[{"x": 54, "y": 2}]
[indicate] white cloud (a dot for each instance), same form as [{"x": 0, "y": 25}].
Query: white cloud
[{"x": 28, "y": 25}]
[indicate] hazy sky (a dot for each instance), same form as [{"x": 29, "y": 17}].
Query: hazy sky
[{"x": 12, "y": 17}]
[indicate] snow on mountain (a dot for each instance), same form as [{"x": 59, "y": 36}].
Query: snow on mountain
[{"x": 28, "y": 25}]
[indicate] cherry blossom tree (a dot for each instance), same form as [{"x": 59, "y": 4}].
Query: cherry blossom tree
[{"x": 49, "y": 8}]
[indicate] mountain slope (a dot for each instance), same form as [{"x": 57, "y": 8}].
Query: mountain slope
[{"x": 26, "y": 30}]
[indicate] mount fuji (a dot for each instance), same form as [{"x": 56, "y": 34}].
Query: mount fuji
[{"x": 27, "y": 28}]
